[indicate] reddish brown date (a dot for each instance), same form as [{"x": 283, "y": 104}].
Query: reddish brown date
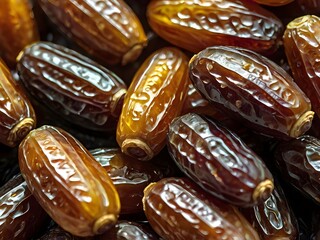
[
  {"x": 298, "y": 162},
  {"x": 310, "y": 6},
  {"x": 21, "y": 216},
  {"x": 218, "y": 161},
  {"x": 274, "y": 2},
  {"x": 177, "y": 209},
  {"x": 68, "y": 182},
  {"x": 107, "y": 30},
  {"x": 252, "y": 89},
  {"x": 195, "y": 25},
  {"x": 302, "y": 47},
  {"x": 73, "y": 86}
]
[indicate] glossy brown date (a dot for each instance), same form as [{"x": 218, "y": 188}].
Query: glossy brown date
[
  {"x": 107, "y": 30},
  {"x": 218, "y": 161},
  {"x": 17, "y": 29},
  {"x": 67, "y": 181},
  {"x": 301, "y": 42},
  {"x": 274, "y": 2},
  {"x": 154, "y": 98},
  {"x": 195, "y": 25},
  {"x": 253, "y": 90},
  {"x": 21, "y": 216},
  {"x": 129, "y": 175},
  {"x": 177, "y": 209},
  {"x": 73, "y": 86}
]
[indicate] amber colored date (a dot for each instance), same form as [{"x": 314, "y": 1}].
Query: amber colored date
[
  {"x": 177, "y": 209},
  {"x": 107, "y": 30},
  {"x": 252, "y": 89},
  {"x": 195, "y": 25},
  {"x": 67, "y": 181},
  {"x": 129, "y": 175},
  {"x": 78, "y": 89},
  {"x": 154, "y": 98},
  {"x": 17, "y": 29},
  {"x": 218, "y": 161},
  {"x": 297, "y": 161},
  {"x": 302, "y": 44},
  {"x": 274, "y": 2},
  {"x": 21, "y": 216}
]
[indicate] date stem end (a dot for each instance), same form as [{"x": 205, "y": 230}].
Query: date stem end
[
  {"x": 104, "y": 223},
  {"x": 20, "y": 130},
  {"x": 263, "y": 191},
  {"x": 137, "y": 149},
  {"x": 302, "y": 125}
]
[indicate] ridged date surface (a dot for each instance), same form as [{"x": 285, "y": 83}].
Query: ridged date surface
[
  {"x": 302, "y": 46},
  {"x": 73, "y": 86},
  {"x": 68, "y": 183},
  {"x": 218, "y": 161},
  {"x": 17, "y": 29},
  {"x": 154, "y": 98},
  {"x": 21, "y": 216},
  {"x": 177, "y": 209},
  {"x": 130, "y": 176},
  {"x": 195, "y": 25},
  {"x": 107, "y": 30},
  {"x": 17, "y": 116},
  {"x": 252, "y": 89},
  {"x": 298, "y": 161}
]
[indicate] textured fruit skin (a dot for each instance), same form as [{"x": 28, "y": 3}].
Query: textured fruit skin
[
  {"x": 297, "y": 161},
  {"x": 21, "y": 215},
  {"x": 195, "y": 25},
  {"x": 274, "y": 3},
  {"x": 17, "y": 29},
  {"x": 217, "y": 160},
  {"x": 302, "y": 44},
  {"x": 130, "y": 176},
  {"x": 178, "y": 209},
  {"x": 273, "y": 219},
  {"x": 15, "y": 109},
  {"x": 78, "y": 89},
  {"x": 67, "y": 181},
  {"x": 107, "y": 30},
  {"x": 154, "y": 98},
  {"x": 252, "y": 89}
]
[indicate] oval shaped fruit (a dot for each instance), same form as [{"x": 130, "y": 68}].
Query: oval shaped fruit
[
  {"x": 78, "y": 89},
  {"x": 218, "y": 161},
  {"x": 195, "y": 25},
  {"x": 17, "y": 116},
  {"x": 68, "y": 183},
  {"x": 252, "y": 89},
  {"x": 177, "y": 209},
  {"x": 17, "y": 29},
  {"x": 273, "y": 2},
  {"x": 107, "y": 30},
  {"x": 154, "y": 98},
  {"x": 21, "y": 216},
  {"x": 302, "y": 41}
]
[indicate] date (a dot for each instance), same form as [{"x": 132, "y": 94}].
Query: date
[
  {"x": 73, "y": 86},
  {"x": 309, "y": 6},
  {"x": 253, "y": 90},
  {"x": 274, "y": 3},
  {"x": 69, "y": 184}
]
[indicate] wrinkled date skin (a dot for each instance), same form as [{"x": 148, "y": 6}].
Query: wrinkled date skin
[
  {"x": 68, "y": 182},
  {"x": 302, "y": 46},
  {"x": 17, "y": 29},
  {"x": 154, "y": 98},
  {"x": 252, "y": 89},
  {"x": 273, "y": 219},
  {"x": 107, "y": 30},
  {"x": 274, "y": 2},
  {"x": 298, "y": 162},
  {"x": 195, "y": 25},
  {"x": 73, "y": 86},
  {"x": 17, "y": 116},
  {"x": 218, "y": 161},
  {"x": 177, "y": 209},
  {"x": 21, "y": 215},
  {"x": 130, "y": 176}
]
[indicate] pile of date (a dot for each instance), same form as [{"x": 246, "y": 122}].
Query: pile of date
[{"x": 160, "y": 119}]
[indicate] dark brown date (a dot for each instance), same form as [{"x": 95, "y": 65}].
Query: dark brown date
[
  {"x": 21, "y": 216},
  {"x": 218, "y": 161},
  {"x": 310, "y": 6},
  {"x": 177, "y": 209},
  {"x": 252, "y": 89},
  {"x": 57, "y": 233},
  {"x": 73, "y": 86}
]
